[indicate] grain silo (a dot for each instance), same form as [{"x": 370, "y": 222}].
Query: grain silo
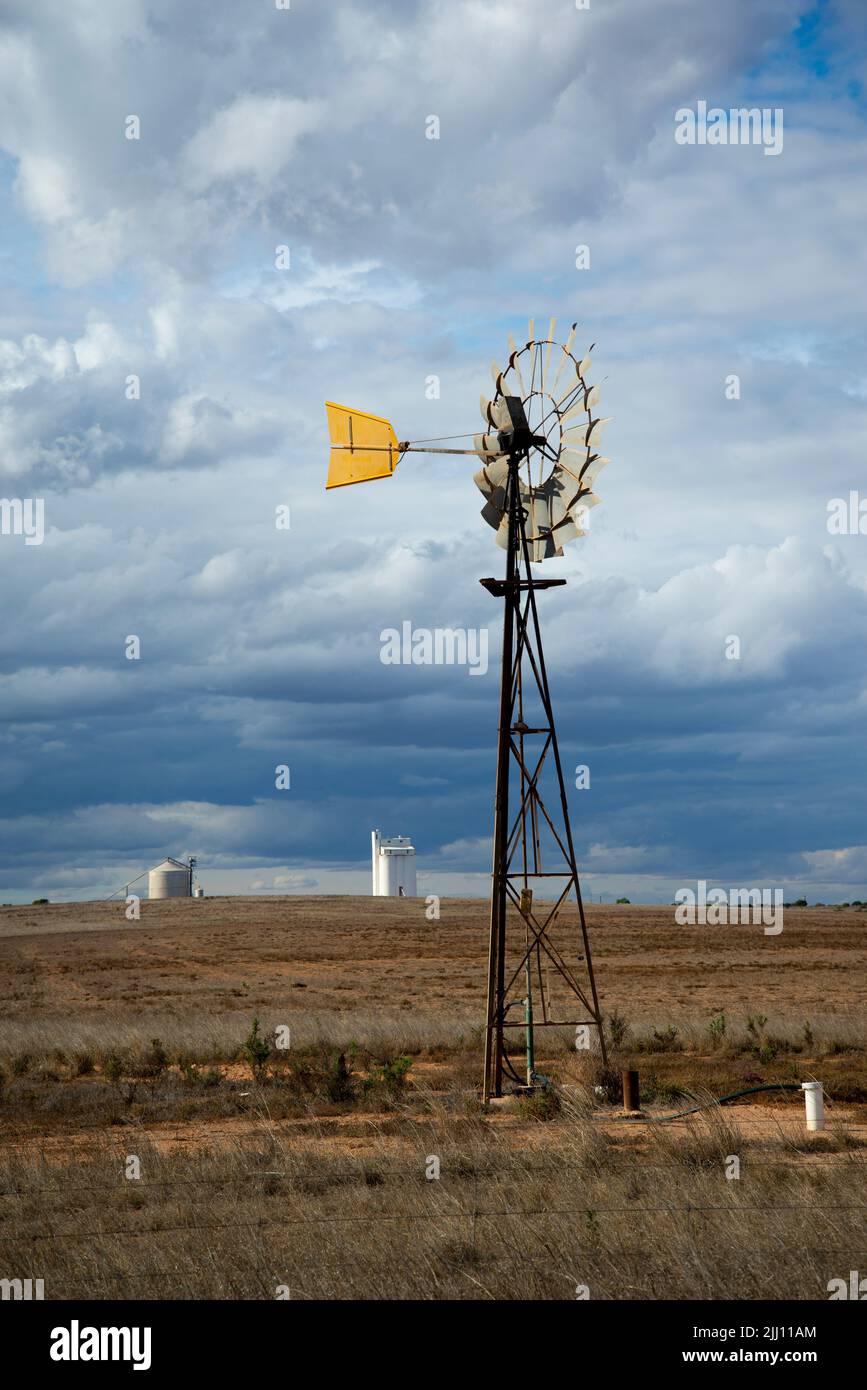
[
  {"x": 171, "y": 879},
  {"x": 393, "y": 867}
]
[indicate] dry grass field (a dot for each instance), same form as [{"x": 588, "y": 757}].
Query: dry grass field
[{"x": 310, "y": 1167}]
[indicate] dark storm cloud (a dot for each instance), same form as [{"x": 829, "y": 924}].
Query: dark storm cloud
[{"x": 410, "y": 257}]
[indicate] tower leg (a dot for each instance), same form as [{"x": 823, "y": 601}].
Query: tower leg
[{"x": 494, "y": 1049}]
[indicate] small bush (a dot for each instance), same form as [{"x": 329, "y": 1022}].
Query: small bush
[
  {"x": 82, "y": 1064},
  {"x": 717, "y": 1028},
  {"x": 391, "y": 1076},
  {"x": 116, "y": 1068},
  {"x": 152, "y": 1061},
  {"x": 607, "y": 1085},
  {"x": 256, "y": 1052},
  {"x": 542, "y": 1104},
  {"x": 195, "y": 1076},
  {"x": 665, "y": 1092},
  {"x": 617, "y": 1028},
  {"x": 113, "y": 1069}
]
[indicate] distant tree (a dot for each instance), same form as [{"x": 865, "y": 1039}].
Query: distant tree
[{"x": 623, "y": 900}]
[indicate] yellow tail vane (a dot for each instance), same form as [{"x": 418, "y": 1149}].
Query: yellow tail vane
[{"x": 362, "y": 446}]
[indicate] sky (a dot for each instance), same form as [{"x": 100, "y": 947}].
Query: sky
[{"x": 157, "y": 259}]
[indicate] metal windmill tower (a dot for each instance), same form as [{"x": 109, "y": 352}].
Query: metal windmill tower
[{"x": 540, "y": 457}]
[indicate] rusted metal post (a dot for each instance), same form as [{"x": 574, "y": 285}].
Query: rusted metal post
[{"x": 631, "y": 1091}]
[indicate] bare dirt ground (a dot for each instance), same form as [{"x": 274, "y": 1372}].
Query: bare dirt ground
[
  {"x": 364, "y": 954},
  {"x": 122, "y": 1038}
]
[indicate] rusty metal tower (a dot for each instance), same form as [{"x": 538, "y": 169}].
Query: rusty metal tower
[{"x": 533, "y": 850}]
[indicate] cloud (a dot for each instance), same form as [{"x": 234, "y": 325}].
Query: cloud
[
  {"x": 254, "y": 136},
  {"x": 413, "y": 258}
]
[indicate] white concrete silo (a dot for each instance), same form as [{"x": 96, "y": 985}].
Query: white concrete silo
[
  {"x": 171, "y": 879},
  {"x": 393, "y": 864}
]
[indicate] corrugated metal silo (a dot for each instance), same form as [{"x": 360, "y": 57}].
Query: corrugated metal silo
[{"x": 171, "y": 879}]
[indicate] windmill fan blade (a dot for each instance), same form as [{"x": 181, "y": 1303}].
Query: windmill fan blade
[
  {"x": 576, "y": 436},
  {"x": 531, "y": 331},
  {"x": 594, "y": 434},
  {"x": 579, "y": 512},
  {"x": 497, "y": 375},
  {"x": 538, "y": 507},
  {"x": 572, "y": 461},
  {"x": 546, "y": 367},
  {"x": 592, "y": 470},
  {"x": 585, "y": 435},
  {"x": 485, "y": 408},
  {"x": 516, "y": 368},
  {"x": 584, "y": 403},
  {"x": 491, "y": 479},
  {"x": 486, "y": 444},
  {"x": 492, "y": 515},
  {"x": 567, "y": 530},
  {"x": 566, "y": 356},
  {"x": 575, "y": 389},
  {"x": 584, "y": 366}
]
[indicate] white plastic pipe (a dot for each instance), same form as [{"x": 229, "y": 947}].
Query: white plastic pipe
[{"x": 814, "y": 1102}]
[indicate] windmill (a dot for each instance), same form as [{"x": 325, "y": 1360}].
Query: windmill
[{"x": 540, "y": 458}]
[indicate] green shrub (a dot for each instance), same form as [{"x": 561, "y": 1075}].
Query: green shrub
[
  {"x": 717, "y": 1028},
  {"x": 256, "y": 1052},
  {"x": 541, "y": 1104},
  {"x": 617, "y": 1028},
  {"x": 113, "y": 1069},
  {"x": 391, "y": 1076}
]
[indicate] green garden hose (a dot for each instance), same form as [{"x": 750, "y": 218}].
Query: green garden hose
[{"x": 749, "y": 1091}]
